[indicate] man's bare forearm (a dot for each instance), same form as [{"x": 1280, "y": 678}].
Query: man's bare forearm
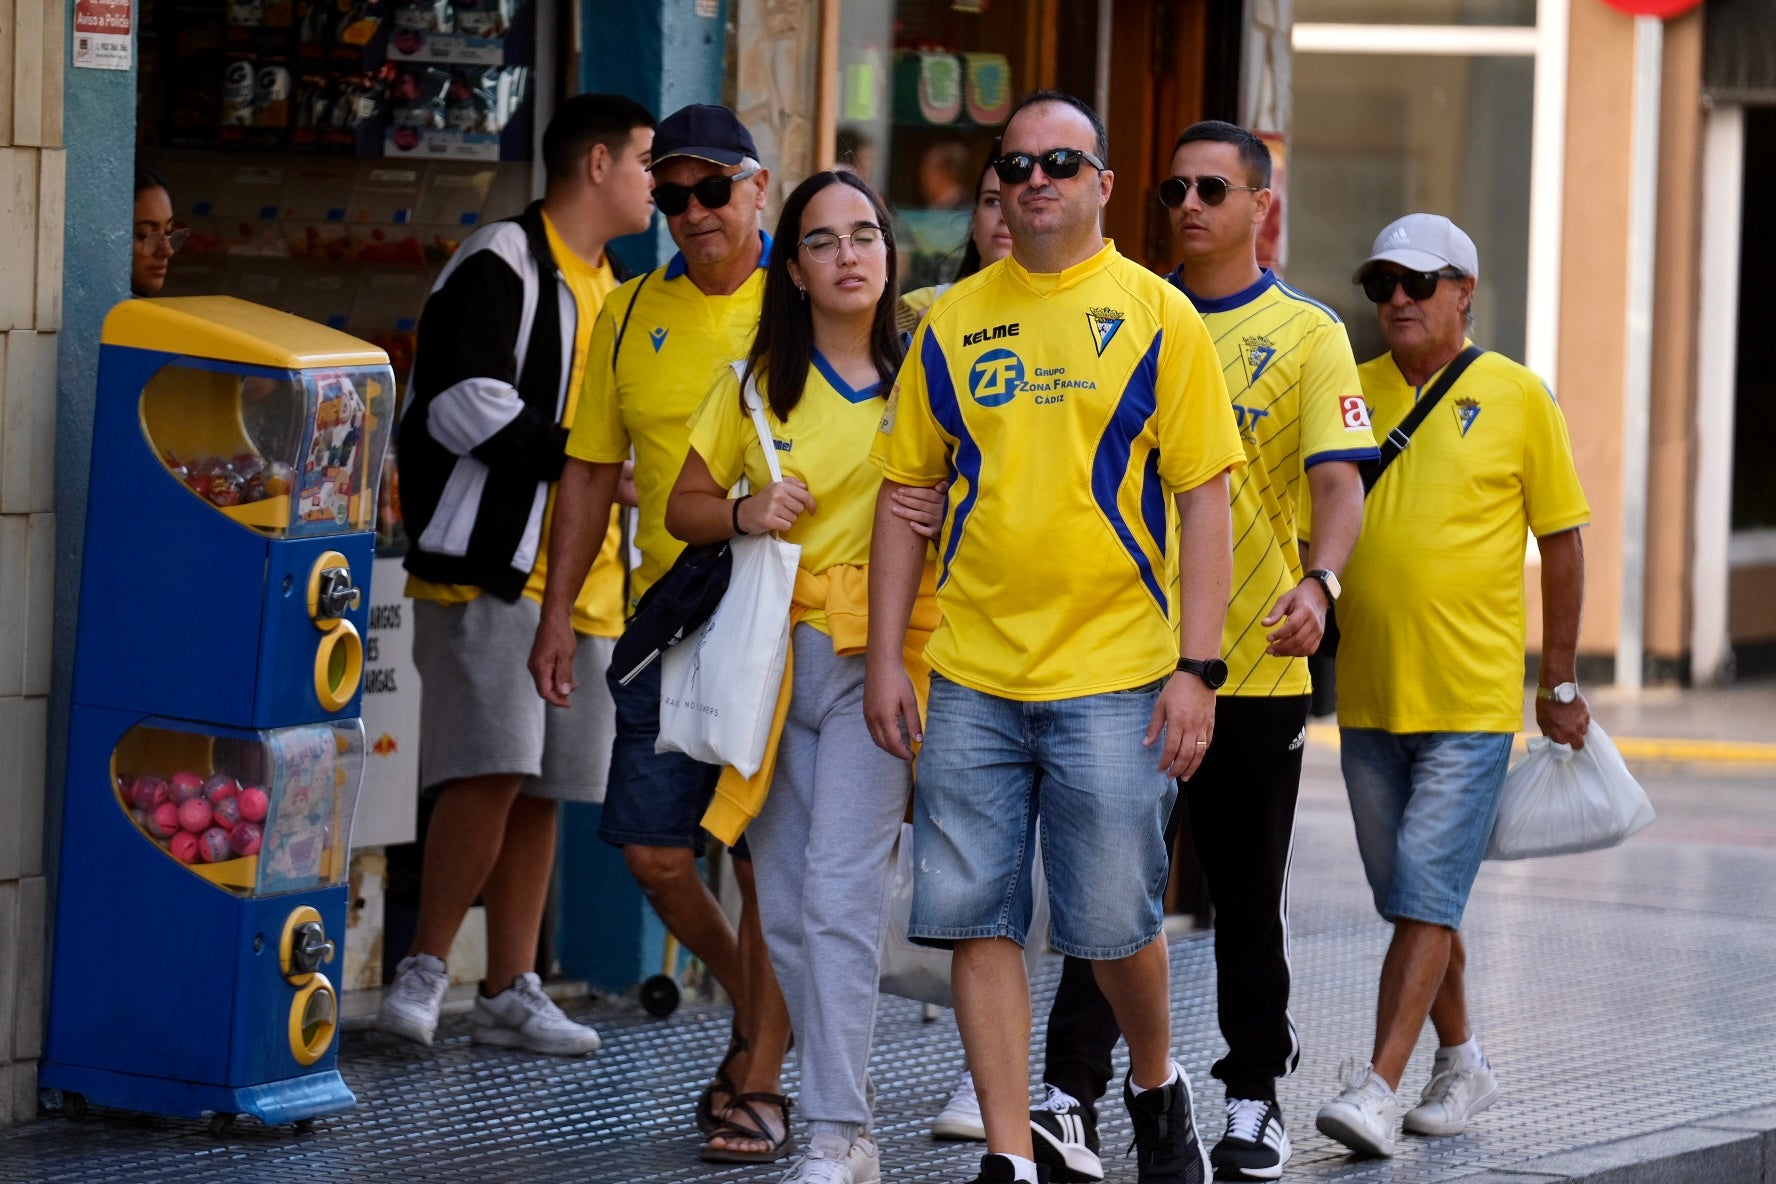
[
  {"x": 577, "y": 532},
  {"x": 1205, "y": 560},
  {"x": 1563, "y": 599},
  {"x": 1337, "y": 488},
  {"x": 897, "y": 562}
]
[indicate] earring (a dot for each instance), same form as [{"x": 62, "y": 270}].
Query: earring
[{"x": 803, "y": 291}]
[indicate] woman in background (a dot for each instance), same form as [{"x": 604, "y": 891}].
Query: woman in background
[{"x": 155, "y": 239}]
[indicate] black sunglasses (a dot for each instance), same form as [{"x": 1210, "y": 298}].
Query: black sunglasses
[
  {"x": 1014, "y": 168},
  {"x": 712, "y": 193},
  {"x": 1212, "y": 190},
  {"x": 1379, "y": 285}
]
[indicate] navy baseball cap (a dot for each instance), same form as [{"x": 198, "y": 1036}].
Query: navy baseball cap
[{"x": 703, "y": 131}]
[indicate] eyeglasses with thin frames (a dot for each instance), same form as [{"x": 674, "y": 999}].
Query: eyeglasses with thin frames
[
  {"x": 154, "y": 240},
  {"x": 823, "y": 245}
]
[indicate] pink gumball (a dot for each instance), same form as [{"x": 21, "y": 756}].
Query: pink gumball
[
  {"x": 183, "y": 786},
  {"x": 213, "y": 845},
  {"x": 254, "y": 803},
  {"x": 195, "y": 815},
  {"x": 245, "y": 838},
  {"x": 184, "y": 847},
  {"x": 166, "y": 820},
  {"x": 226, "y": 813},
  {"x": 148, "y": 792},
  {"x": 220, "y": 788}
]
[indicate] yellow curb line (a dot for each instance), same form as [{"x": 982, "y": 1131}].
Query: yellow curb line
[{"x": 1644, "y": 748}]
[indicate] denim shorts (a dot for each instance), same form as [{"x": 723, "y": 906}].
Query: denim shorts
[
  {"x": 1424, "y": 804},
  {"x": 655, "y": 799},
  {"x": 990, "y": 769}
]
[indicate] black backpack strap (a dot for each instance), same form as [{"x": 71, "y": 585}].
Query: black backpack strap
[
  {"x": 1396, "y": 440},
  {"x": 623, "y": 329}
]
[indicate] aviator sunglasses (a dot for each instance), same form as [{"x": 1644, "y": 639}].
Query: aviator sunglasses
[
  {"x": 1014, "y": 168},
  {"x": 1212, "y": 190},
  {"x": 1379, "y": 285},
  {"x": 712, "y": 193}
]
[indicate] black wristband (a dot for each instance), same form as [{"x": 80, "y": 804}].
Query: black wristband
[{"x": 738, "y": 529}]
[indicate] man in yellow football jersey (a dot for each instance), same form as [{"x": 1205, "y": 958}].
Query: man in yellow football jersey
[
  {"x": 1289, "y": 370},
  {"x": 502, "y": 343},
  {"x": 1074, "y": 402},
  {"x": 663, "y": 341},
  {"x": 1430, "y": 670}
]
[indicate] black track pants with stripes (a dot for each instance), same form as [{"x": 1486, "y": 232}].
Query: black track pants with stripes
[{"x": 1242, "y": 817}]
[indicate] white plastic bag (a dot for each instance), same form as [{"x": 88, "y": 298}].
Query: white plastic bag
[
  {"x": 718, "y": 687},
  {"x": 922, "y": 973},
  {"x": 1557, "y": 801}
]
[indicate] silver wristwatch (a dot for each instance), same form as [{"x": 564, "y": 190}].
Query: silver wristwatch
[{"x": 1560, "y": 692}]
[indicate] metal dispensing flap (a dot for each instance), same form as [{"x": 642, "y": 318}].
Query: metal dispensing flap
[{"x": 225, "y": 329}]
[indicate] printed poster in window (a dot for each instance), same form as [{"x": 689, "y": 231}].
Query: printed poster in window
[{"x": 304, "y": 790}]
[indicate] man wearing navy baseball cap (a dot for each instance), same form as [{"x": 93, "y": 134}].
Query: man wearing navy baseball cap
[
  {"x": 1430, "y": 668},
  {"x": 660, "y": 344}
]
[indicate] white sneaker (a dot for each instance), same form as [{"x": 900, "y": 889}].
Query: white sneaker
[
  {"x": 822, "y": 1164},
  {"x": 1454, "y": 1095},
  {"x": 522, "y": 1016},
  {"x": 1363, "y": 1116},
  {"x": 865, "y": 1159},
  {"x": 410, "y": 1009},
  {"x": 960, "y": 1119}
]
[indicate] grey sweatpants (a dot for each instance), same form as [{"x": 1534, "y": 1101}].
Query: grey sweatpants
[{"x": 820, "y": 854}]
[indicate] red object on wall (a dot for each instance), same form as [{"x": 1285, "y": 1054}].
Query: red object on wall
[{"x": 1663, "y": 9}]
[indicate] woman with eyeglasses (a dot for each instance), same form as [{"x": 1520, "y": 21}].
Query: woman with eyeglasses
[
  {"x": 828, "y": 805},
  {"x": 155, "y": 239}
]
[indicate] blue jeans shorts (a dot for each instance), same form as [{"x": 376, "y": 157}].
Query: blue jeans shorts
[
  {"x": 654, "y": 799},
  {"x": 990, "y": 769},
  {"x": 1424, "y": 804}
]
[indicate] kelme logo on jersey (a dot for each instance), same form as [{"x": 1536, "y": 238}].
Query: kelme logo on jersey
[
  {"x": 995, "y": 377},
  {"x": 1258, "y": 353},
  {"x": 658, "y": 337},
  {"x": 1104, "y": 324},
  {"x": 1466, "y": 412}
]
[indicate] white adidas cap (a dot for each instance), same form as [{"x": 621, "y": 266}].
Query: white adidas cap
[{"x": 1423, "y": 242}]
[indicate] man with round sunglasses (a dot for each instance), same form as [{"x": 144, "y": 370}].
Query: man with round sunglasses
[
  {"x": 1431, "y": 665},
  {"x": 1074, "y": 401},
  {"x": 659, "y": 346},
  {"x": 1287, "y": 363}
]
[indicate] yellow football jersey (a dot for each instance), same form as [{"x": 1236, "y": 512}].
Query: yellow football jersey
[
  {"x": 1289, "y": 370},
  {"x": 598, "y": 610},
  {"x": 825, "y": 442},
  {"x": 1066, "y": 410},
  {"x": 1432, "y": 614},
  {"x": 677, "y": 344}
]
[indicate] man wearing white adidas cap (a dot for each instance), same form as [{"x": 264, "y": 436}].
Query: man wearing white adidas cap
[{"x": 1430, "y": 668}]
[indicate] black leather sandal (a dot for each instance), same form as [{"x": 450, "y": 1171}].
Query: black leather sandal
[
  {"x": 758, "y": 1132},
  {"x": 709, "y": 1115}
]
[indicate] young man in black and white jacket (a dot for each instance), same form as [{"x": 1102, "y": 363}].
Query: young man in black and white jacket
[{"x": 497, "y": 373}]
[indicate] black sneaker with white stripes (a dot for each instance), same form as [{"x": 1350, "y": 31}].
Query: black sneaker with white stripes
[
  {"x": 1065, "y": 1135},
  {"x": 1256, "y": 1145}
]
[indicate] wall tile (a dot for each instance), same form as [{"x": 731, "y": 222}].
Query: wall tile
[
  {"x": 18, "y": 252},
  {"x": 40, "y": 603},
  {"x": 27, "y": 1040},
  {"x": 27, "y": 69},
  {"x": 9, "y": 966},
  {"x": 12, "y": 789},
  {"x": 27, "y": 424},
  {"x": 15, "y": 530},
  {"x": 33, "y": 769},
  {"x": 52, "y": 202},
  {"x": 7, "y": 40},
  {"x": 54, "y": 62}
]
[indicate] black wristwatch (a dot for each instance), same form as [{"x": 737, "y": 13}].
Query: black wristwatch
[
  {"x": 1329, "y": 581},
  {"x": 1211, "y": 670}
]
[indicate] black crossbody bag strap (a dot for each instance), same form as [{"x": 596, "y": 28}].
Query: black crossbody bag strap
[
  {"x": 1396, "y": 440},
  {"x": 623, "y": 329}
]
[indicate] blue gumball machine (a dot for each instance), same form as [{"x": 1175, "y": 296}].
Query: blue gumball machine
[{"x": 215, "y": 751}]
